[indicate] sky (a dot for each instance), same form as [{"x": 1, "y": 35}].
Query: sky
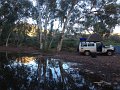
[{"x": 116, "y": 30}]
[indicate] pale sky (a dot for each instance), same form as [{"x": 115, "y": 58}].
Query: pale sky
[{"x": 116, "y": 30}]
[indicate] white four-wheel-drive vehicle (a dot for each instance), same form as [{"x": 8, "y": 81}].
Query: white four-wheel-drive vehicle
[{"x": 95, "y": 47}]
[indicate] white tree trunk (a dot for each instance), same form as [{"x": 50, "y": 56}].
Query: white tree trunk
[
  {"x": 8, "y": 38},
  {"x": 59, "y": 47},
  {"x": 45, "y": 26},
  {"x": 40, "y": 26}
]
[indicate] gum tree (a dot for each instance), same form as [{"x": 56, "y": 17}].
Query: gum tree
[{"x": 11, "y": 12}]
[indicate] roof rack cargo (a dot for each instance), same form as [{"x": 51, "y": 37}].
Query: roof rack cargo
[{"x": 83, "y": 39}]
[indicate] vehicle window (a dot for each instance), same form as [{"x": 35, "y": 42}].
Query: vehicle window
[
  {"x": 83, "y": 44},
  {"x": 90, "y": 44}
]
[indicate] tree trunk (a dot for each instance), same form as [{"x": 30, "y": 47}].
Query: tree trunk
[
  {"x": 46, "y": 23},
  {"x": 62, "y": 37},
  {"x": 40, "y": 37},
  {"x": 52, "y": 35},
  {"x": 8, "y": 38},
  {"x": 0, "y": 36},
  {"x": 40, "y": 27},
  {"x": 64, "y": 27},
  {"x": 45, "y": 33},
  {"x": 0, "y": 32},
  {"x": 49, "y": 47}
]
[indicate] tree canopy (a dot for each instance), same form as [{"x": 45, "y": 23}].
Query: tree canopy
[
  {"x": 73, "y": 16},
  {"x": 11, "y": 12}
]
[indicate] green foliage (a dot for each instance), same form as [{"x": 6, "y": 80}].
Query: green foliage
[
  {"x": 110, "y": 9},
  {"x": 70, "y": 45},
  {"x": 12, "y": 11},
  {"x": 52, "y": 5},
  {"x": 32, "y": 42},
  {"x": 113, "y": 40},
  {"x": 100, "y": 28},
  {"x": 56, "y": 38}
]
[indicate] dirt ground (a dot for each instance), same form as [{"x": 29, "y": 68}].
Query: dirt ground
[
  {"x": 106, "y": 67},
  {"x": 22, "y": 49}
]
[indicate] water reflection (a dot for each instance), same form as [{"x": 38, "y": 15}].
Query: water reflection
[
  {"x": 25, "y": 59},
  {"x": 33, "y": 73}
]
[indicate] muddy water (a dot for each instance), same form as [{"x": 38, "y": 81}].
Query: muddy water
[{"x": 42, "y": 73}]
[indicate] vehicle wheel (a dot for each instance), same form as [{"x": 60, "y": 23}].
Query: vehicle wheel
[
  {"x": 109, "y": 53},
  {"x": 87, "y": 53}
]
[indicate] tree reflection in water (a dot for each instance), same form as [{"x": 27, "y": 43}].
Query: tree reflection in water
[{"x": 33, "y": 73}]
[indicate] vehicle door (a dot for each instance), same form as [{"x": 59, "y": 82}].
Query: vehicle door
[
  {"x": 92, "y": 46},
  {"x": 83, "y": 46},
  {"x": 99, "y": 47}
]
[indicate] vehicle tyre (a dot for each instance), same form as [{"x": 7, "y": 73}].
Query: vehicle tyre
[
  {"x": 109, "y": 53},
  {"x": 87, "y": 53}
]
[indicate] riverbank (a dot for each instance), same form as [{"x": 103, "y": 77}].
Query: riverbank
[
  {"x": 105, "y": 67},
  {"x": 22, "y": 49}
]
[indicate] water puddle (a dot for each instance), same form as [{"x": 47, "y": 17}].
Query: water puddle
[{"x": 42, "y": 73}]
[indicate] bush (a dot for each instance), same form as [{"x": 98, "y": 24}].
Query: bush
[
  {"x": 70, "y": 45},
  {"x": 113, "y": 40}
]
